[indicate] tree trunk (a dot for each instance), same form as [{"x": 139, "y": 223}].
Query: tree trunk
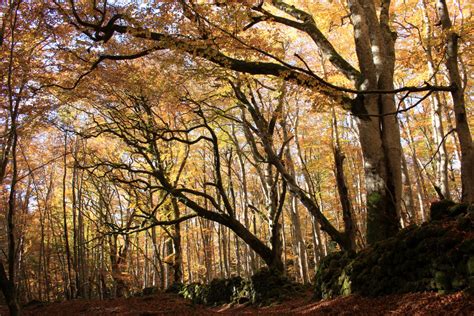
[
  {"x": 188, "y": 253},
  {"x": 9, "y": 291},
  {"x": 436, "y": 114},
  {"x": 69, "y": 286},
  {"x": 462, "y": 125},
  {"x": 421, "y": 189},
  {"x": 347, "y": 211},
  {"x": 206, "y": 236},
  {"x": 178, "y": 254},
  {"x": 409, "y": 200},
  {"x": 379, "y": 133},
  {"x": 298, "y": 240},
  {"x": 249, "y": 255}
]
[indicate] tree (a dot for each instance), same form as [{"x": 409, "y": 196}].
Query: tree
[
  {"x": 462, "y": 124},
  {"x": 133, "y": 119},
  {"x": 264, "y": 130},
  {"x": 374, "y": 103},
  {"x": 21, "y": 57},
  {"x": 179, "y": 141}
]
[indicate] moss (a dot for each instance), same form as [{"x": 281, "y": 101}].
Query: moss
[
  {"x": 441, "y": 209},
  {"x": 463, "y": 223},
  {"x": 434, "y": 256},
  {"x": 268, "y": 286},
  {"x": 470, "y": 266},
  {"x": 458, "y": 283},
  {"x": 374, "y": 231},
  {"x": 467, "y": 246},
  {"x": 373, "y": 199},
  {"x": 333, "y": 277},
  {"x": 194, "y": 292},
  {"x": 346, "y": 288},
  {"x": 458, "y": 209},
  {"x": 175, "y": 288},
  {"x": 443, "y": 282},
  {"x": 150, "y": 290},
  {"x": 221, "y": 291},
  {"x": 263, "y": 288}
]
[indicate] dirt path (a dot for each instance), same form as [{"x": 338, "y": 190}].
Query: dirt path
[{"x": 170, "y": 304}]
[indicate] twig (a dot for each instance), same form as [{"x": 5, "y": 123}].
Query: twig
[{"x": 439, "y": 146}]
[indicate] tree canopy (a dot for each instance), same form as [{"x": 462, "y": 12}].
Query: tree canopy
[{"x": 151, "y": 142}]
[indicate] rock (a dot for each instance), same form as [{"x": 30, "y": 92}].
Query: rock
[
  {"x": 470, "y": 266},
  {"x": 174, "y": 288},
  {"x": 263, "y": 288},
  {"x": 440, "y": 209},
  {"x": 34, "y": 303},
  {"x": 458, "y": 209},
  {"x": 221, "y": 291},
  {"x": 150, "y": 290},
  {"x": 436, "y": 256},
  {"x": 442, "y": 281}
]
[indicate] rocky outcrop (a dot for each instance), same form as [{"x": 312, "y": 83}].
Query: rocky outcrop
[
  {"x": 436, "y": 256},
  {"x": 263, "y": 288}
]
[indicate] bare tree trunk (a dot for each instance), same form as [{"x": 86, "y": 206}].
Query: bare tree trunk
[
  {"x": 163, "y": 266},
  {"x": 462, "y": 125},
  {"x": 436, "y": 114},
  {"x": 75, "y": 229},
  {"x": 189, "y": 253},
  {"x": 421, "y": 189},
  {"x": 347, "y": 211},
  {"x": 449, "y": 123},
  {"x": 9, "y": 292},
  {"x": 178, "y": 254},
  {"x": 379, "y": 132},
  {"x": 409, "y": 214},
  {"x": 69, "y": 286},
  {"x": 118, "y": 257},
  {"x": 237, "y": 256},
  {"x": 220, "y": 251},
  {"x": 298, "y": 240},
  {"x": 146, "y": 275},
  {"x": 249, "y": 255},
  {"x": 82, "y": 262},
  {"x": 7, "y": 282},
  {"x": 379, "y": 137},
  {"x": 156, "y": 254},
  {"x": 229, "y": 253},
  {"x": 274, "y": 201},
  {"x": 206, "y": 236},
  {"x": 9, "y": 151}
]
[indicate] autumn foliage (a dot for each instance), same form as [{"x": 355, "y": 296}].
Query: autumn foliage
[{"x": 156, "y": 143}]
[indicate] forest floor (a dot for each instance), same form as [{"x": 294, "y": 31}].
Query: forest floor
[{"x": 171, "y": 304}]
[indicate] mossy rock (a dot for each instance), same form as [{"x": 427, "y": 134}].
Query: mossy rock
[
  {"x": 436, "y": 256},
  {"x": 441, "y": 209},
  {"x": 463, "y": 223},
  {"x": 221, "y": 291},
  {"x": 470, "y": 266},
  {"x": 467, "y": 246},
  {"x": 194, "y": 292},
  {"x": 333, "y": 276},
  {"x": 150, "y": 290},
  {"x": 458, "y": 209},
  {"x": 263, "y": 288},
  {"x": 174, "y": 288},
  {"x": 268, "y": 286},
  {"x": 443, "y": 281}
]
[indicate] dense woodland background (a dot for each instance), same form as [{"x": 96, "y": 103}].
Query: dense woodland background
[{"x": 147, "y": 143}]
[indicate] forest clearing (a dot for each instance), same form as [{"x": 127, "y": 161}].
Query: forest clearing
[{"x": 236, "y": 157}]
